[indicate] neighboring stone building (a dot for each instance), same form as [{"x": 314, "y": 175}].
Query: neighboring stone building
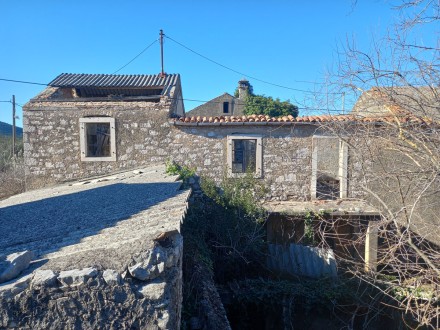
[
  {"x": 225, "y": 104},
  {"x": 423, "y": 101}
]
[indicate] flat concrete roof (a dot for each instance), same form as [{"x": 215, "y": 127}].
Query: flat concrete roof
[{"x": 99, "y": 223}]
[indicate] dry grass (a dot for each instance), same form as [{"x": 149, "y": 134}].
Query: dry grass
[{"x": 12, "y": 181}]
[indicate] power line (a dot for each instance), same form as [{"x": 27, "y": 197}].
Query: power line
[
  {"x": 145, "y": 49},
  {"x": 179, "y": 99},
  {"x": 20, "y": 105},
  {"x": 299, "y": 108},
  {"x": 243, "y": 74},
  {"x": 23, "y": 82},
  {"x": 191, "y": 100}
]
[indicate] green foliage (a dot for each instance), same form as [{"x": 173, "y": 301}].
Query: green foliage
[
  {"x": 266, "y": 105},
  {"x": 309, "y": 232},
  {"x": 240, "y": 195},
  {"x": 229, "y": 222},
  {"x": 184, "y": 172},
  {"x": 311, "y": 292},
  {"x": 311, "y": 220},
  {"x": 6, "y": 157},
  {"x": 236, "y": 93}
]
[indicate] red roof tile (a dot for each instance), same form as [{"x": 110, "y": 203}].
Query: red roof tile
[{"x": 225, "y": 120}]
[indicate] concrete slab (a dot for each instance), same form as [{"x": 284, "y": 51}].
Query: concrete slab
[
  {"x": 335, "y": 207},
  {"x": 101, "y": 223}
]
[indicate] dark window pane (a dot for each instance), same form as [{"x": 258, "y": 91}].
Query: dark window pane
[
  {"x": 244, "y": 156},
  {"x": 225, "y": 107},
  {"x": 98, "y": 139},
  {"x": 237, "y": 156}
]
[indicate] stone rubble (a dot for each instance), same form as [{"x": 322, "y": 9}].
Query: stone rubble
[
  {"x": 77, "y": 276},
  {"x": 14, "y": 264}
]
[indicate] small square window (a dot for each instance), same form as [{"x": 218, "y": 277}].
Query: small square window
[
  {"x": 97, "y": 139},
  {"x": 244, "y": 155}
]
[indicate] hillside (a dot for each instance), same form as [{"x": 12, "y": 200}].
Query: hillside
[{"x": 6, "y": 129}]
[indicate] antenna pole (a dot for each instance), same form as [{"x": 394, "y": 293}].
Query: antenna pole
[
  {"x": 343, "y": 103},
  {"x": 13, "y": 126},
  {"x": 162, "y": 73}
]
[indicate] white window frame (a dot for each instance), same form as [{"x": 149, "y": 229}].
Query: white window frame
[
  {"x": 343, "y": 167},
  {"x": 83, "y": 138},
  {"x": 258, "y": 156}
]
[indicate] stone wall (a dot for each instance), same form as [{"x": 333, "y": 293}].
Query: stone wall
[
  {"x": 287, "y": 152},
  {"x": 52, "y": 143},
  {"x": 145, "y": 136},
  {"x": 147, "y": 296},
  {"x": 97, "y": 254}
]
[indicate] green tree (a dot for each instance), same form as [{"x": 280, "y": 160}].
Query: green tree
[{"x": 266, "y": 105}]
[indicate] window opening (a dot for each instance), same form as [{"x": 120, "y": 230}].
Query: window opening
[
  {"x": 98, "y": 139},
  {"x": 225, "y": 107},
  {"x": 244, "y": 156}
]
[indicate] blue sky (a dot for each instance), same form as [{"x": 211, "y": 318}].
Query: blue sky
[{"x": 289, "y": 43}]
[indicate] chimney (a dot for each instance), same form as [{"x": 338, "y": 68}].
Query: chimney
[{"x": 243, "y": 89}]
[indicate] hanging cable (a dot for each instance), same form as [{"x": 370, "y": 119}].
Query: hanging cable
[
  {"x": 143, "y": 51},
  {"x": 23, "y": 82},
  {"x": 243, "y": 74},
  {"x": 182, "y": 99}
]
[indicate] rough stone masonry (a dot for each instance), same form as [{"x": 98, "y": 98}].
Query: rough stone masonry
[{"x": 98, "y": 254}]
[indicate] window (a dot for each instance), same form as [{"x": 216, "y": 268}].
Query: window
[
  {"x": 329, "y": 168},
  {"x": 244, "y": 155},
  {"x": 97, "y": 139},
  {"x": 225, "y": 107}
]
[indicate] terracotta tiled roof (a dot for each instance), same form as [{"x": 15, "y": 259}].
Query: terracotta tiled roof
[{"x": 262, "y": 119}]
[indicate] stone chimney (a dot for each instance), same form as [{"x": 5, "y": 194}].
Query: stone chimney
[{"x": 243, "y": 89}]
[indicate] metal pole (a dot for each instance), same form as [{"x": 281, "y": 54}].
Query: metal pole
[
  {"x": 162, "y": 74},
  {"x": 343, "y": 103},
  {"x": 326, "y": 95},
  {"x": 13, "y": 126}
]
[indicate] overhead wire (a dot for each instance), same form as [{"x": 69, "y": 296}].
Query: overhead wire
[
  {"x": 143, "y": 51},
  {"x": 192, "y": 100},
  {"x": 219, "y": 102},
  {"x": 244, "y": 74},
  {"x": 23, "y": 82},
  {"x": 182, "y": 99}
]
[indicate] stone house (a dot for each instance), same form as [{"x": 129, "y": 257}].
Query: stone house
[
  {"x": 85, "y": 126},
  {"x": 225, "y": 104}
]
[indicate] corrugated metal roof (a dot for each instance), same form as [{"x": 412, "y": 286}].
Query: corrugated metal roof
[{"x": 111, "y": 80}]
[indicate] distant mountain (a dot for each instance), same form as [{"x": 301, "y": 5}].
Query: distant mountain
[{"x": 6, "y": 129}]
